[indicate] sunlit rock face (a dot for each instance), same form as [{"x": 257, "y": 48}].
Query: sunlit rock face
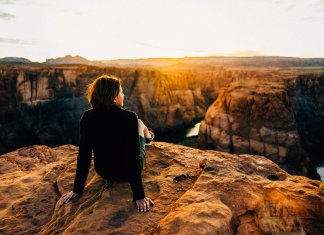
[
  {"x": 166, "y": 101},
  {"x": 43, "y": 105},
  {"x": 256, "y": 117},
  {"x": 222, "y": 194}
]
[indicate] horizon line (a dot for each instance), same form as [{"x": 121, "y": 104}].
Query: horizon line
[{"x": 147, "y": 58}]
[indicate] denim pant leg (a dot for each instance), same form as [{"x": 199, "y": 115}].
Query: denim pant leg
[{"x": 142, "y": 152}]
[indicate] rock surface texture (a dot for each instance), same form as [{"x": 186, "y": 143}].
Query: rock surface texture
[
  {"x": 223, "y": 194},
  {"x": 256, "y": 117}
]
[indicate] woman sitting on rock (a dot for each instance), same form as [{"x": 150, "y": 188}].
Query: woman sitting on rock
[{"x": 117, "y": 138}]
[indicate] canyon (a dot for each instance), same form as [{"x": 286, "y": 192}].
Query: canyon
[
  {"x": 43, "y": 104},
  {"x": 273, "y": 112},
  {"x": 261, "y": 133}
]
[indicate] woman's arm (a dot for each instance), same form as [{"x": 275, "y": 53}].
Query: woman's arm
[
  {"x": 143, "y": 203},
  {"x": 84, "y": 156},
  {"x": 133, "y": 152},
  {"x": 83, "y": 164}
]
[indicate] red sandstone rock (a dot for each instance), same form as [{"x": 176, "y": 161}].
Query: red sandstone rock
[
  {"x": 255, "y": 117},
  {"x": 224, "y": 194}
]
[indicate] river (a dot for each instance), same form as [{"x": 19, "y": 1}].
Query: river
[{"x": 320, "y": 170}]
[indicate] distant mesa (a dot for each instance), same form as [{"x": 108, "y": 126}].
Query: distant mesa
[
  {"x": 15, "y": 60},
  {"x": 68, "y": 59},
  {"x": 253, "y": 61}
]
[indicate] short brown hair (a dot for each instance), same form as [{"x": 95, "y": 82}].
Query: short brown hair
[{"x": 102, "y": 92}]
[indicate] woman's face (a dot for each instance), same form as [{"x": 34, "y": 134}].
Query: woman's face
[{"x": 119, "y": 100}]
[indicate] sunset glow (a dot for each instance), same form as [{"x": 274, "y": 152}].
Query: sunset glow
[{"x": 101, "y": 29}]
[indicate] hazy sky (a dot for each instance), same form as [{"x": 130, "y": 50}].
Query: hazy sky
[{"x": 110, "y": 29}]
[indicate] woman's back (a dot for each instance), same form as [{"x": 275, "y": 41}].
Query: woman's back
[
  {"x": 110, "y": 133},
  {"x": 113, "y": 137}
]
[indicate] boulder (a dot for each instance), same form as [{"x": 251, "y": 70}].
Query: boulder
[{"x": 256, "y": 117}]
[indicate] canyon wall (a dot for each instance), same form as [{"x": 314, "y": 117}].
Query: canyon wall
[
  {"x": 307, "y": 97},
  {"x": 268, "y": 118},
  {"x": 43, "y": 104},
  {"x": 277, "y": 114}
]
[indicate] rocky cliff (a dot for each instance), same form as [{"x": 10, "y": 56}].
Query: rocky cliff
[
  {"x": 195, "y": 192},
  {"x": 257, "y": 117},
  {"x": 43, "y": 104},
  {"x": 307, "y": 97}
]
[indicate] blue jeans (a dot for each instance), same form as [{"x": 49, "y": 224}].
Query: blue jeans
[{"x": 142, "y": 152}]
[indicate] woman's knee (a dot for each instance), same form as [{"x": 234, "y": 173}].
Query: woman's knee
[{"x": 140, "y": 127}]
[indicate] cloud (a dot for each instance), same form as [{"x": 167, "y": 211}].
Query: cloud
[
  {"x": 290, "y": 7},
  {"x": 313, "y": 18},
  {"x": 6, "y": 16},
  {"x": 22, "y": 2},
  {"x": 6, "y": 2},
  {"x": 320, "y": 5},
  {"x": 15, "y": 41}
]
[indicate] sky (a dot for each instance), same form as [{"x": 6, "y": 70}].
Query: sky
[{"x": 114, "y": 29}]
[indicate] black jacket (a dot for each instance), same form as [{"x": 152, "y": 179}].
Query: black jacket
[{"x": 113, "y": 137}]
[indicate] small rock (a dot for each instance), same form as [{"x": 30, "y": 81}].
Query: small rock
[{"x": 180, "y": 177}]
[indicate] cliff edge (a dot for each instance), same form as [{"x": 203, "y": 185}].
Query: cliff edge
[{"x": 195, "y": 192}]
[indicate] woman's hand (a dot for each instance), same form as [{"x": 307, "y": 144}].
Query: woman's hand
[
  {"x": 142, "y": 128},
  {"x": 143, "y": 205},
  {"x": 67, "y": 197}
]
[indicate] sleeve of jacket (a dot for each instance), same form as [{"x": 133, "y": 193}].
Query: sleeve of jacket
[
  {"x": 133, "y": 152},
  {"x": 84, "y": 156}
]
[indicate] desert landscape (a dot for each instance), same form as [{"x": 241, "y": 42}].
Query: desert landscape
[
  {"x": 226, "y": 99},
  {"x": 267, "y": 111},
  {"x": 252, "y": 160}
]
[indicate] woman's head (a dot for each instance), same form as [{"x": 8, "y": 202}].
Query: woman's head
[{"x": 105, "y": 92}]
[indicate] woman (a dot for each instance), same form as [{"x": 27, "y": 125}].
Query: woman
[{"x": 117, "y": 138}]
